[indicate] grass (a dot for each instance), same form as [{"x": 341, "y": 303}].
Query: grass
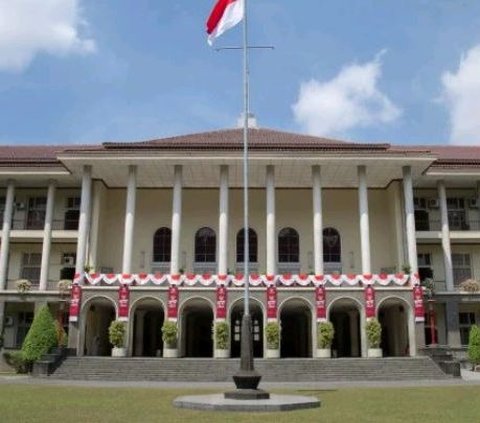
[{"x": 40, "y": 403}]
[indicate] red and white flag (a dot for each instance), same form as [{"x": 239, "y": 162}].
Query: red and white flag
[{"x": 225, "y": 15}]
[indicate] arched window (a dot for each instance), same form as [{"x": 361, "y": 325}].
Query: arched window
[
  {"x": 252, "y": 245},
  {"x": 332, "y": 250},
  {"x": 205, "y": 246},
  {"x": 288, "y": 246},
  {"x": 162, "y": 243}
]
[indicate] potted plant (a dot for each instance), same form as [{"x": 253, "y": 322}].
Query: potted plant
[
  {"x": 116, "y": 336},
  {"x": 221, "y": 339},
  {"x": 23, "y": 286},
  {"x": 272, "y": 333},
  {"x": 64, "y": 286},
  {"x": 374, "y": 337},
  {"x": 169, "y": 336},
  {"x": 474, "y": 347},
  {"x": 325, "y": 334}
]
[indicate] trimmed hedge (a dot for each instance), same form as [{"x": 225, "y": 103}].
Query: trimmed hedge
[{"x": 474, "y": 345}]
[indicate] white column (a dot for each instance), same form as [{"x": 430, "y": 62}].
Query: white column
[
  {"x": 271, "y": 235},
  {"x": 7, "y": 225},
  {"x": 83, "y": 222},
  {"x": 223, "y": 223},
  {"x": 447, "y": 251},
  {"x": 410, "y": 219},
  {"x": 98, "y": 204},
  {"x": 176, "y": 220},
  {"x": 317, "y": 220},
  {"x": 129, "y": 220},
  {"x": 364, "y": 223},
  {"x": 47, "y": 236}
]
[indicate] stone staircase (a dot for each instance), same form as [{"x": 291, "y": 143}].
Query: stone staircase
[{"x": 272, "y": 370}]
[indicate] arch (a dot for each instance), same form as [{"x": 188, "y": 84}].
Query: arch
[
  {"x": 296, "y": 322},
  {"x": 205, "y": 246},
  {"x": 288, "y": 246},
  {"x": 96, "y": 314},
  {"x": 252, "y": 245},
  {"x": 162, "y": 244},
  {"x": 332, "y": 246},
  {"x": 147, "y": 315},
  {"x": 235, "y": 314},
  {"x": 196, "y": 322},
  {"x": 348, "y": 319},
  {"x": 394, "y": 314}
]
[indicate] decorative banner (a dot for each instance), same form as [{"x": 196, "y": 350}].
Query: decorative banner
[
  {"x": 172, "y": 307},
  {"x": 75, "y": 301},
  {"x": 221, "y": 312},
  {"x": 272, "y": 302},
  {"x": 369, "y": 302},
  {"x": 418, "y": 303},
  {"x": 123, "y": 302},
  {"x": 321, "y": 303}
]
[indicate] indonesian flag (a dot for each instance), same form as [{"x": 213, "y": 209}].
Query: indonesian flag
[{"x": 225, "y": 15}]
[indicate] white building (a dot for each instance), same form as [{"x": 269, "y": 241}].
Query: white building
[{"x": 126, "y": 212}]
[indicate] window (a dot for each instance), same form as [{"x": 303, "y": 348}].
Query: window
[
  {"x": 252, "y": 246},
  {"x": 31, "y": 267},
  {"x": 462, "y": 269},
  {"x": 162, "y": 244},
  {"x": 2, "y": 208},
  {"x": 422, "y": 221},
  {"x": 457, "y": 219},
  {"x": 25, "y": 319},
  {"x": 288, "y": 246},
  {"x": 72, "y": 213},
  {"x": 36, "y": 212},
  {"x": 425, "y": 266},
  {"x": 331, "y": 246},
  {"x": 466, "y": 320},
  {"x": 205, "y": 246}
]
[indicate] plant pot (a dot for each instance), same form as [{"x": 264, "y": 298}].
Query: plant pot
[
  {"x": 273, "y": 353},
  {"x": 324, "y": 353},
  {"x": 170, "y": 352},
  {"x": 222, "y": 353},
  {"x": 119, "y": 352},
  {"x": 375, "y": 353}
]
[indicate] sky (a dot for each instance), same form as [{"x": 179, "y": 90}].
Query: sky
[{"x": 89, "y": 71}]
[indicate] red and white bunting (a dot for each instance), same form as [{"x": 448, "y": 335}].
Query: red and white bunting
[
  {"x": 222, "y": 280},
  {"x": 221, "y": 303},
  {"x": 238, "y": 279},
  {"x": 321, "y": 303},
  {"x": 256, "y": 280},
  {"x": 75, "y": 302},
  {"x": 269, "y": 280},
  {"x": 418, "y": 303},
  {"x": 78, "y": 278},
  {"x": 207, "y": 279},
  {"x": 127, "y": 279},
  {"x": 303, "y": 279},
  {"x": 94, "y": 278},
  {"x": 174, "y": 279},
  {"x": 172, "y": 304},
  {"x": 111, "y": 278},
  {"x": 123, "y": 302},
  {"x": 272, "y": 308},
  {"x": 317, "y": 280},
  {"x": 370, "y": 311}
]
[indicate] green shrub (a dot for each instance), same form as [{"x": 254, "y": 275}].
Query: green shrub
[
  {"x": 169, "y": 334},
  {"x": 474, "y": 345},
  {"x": 116, "y": 334},
  {"x": 222, "y": 335},
  {"x": 374, "y": 333},
  {"x": 41, "y": 337},
  {"x": 272, "y": 333},
  {"x": 325, "y": 334},
  {"x": 16, "y": 360}
]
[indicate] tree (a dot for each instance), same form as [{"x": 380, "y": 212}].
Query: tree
[
  {"x": 474, "y": 345},
  {"x": 41, "y": 337}
]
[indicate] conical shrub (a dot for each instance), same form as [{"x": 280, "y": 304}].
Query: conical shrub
[
  {"x": 41, "y": 337},
  {"x": 474, "y": 345}
]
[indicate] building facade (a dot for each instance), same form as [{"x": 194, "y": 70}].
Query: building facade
[{"x": 153, "y": 230}]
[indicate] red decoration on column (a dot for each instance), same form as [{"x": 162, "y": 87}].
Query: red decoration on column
[
  {"x": 271, "y": 302},
  {"x": 221, "y": 311},
  {"x": 123, "y": 302},
  {"x": 369, "y": 302},
  {"x": 75, "y": 301},
  {"x": 172, "y": 308},
  {"x": 418, "y": 303},
  {"x": 321, "y": 302}
]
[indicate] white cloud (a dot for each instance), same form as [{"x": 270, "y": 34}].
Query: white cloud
[
  {"x": 29, "y": 27},
  {"x": 462, "y": 94},
  {"x": 351, "y": 99}
]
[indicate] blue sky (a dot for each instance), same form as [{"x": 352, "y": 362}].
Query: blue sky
[{"x": 372, "y": 70}]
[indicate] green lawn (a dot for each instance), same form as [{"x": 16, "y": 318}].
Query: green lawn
[{"x": 41, "y": 403}]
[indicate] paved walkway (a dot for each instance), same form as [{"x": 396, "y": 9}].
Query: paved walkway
[{"x": 468, "y": 378}]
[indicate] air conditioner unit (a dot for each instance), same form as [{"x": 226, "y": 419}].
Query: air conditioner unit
[
  {"x": 68, "y": 260},
  {"x": 433, "y": 203},
  {"x": 473, "y": 203},
  {"x": 19, "y": 206}
]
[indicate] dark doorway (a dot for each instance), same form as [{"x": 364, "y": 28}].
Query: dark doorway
[
  {"x": 346, "y": 322},
  {"x": 197, "y": 327},
  {"x": 100, "y": 314},
  {"x": 236, "y": 329},
  {"x": 147, "y": 329},
  {"x": 295, "y": 319},
  {"x": 393, "y": 318}
]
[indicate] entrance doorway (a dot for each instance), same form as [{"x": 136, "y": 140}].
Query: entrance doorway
[
  {"x": 197, "y": 322},
  {"x": 345, "y": 317},
  {"x": 100, "y": 313},
  {"x": 295, "y": 318},
  {"x": 236, "y": 328},
  {"x": 148, "y": 320},
  {"x": 393, "y": 316}
]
